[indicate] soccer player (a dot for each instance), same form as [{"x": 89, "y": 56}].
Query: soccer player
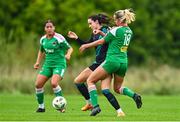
[
  {"x": 96, "y": 23},
  {"x": 116, "y": 61},
  {"x": 56, "y": 50}
]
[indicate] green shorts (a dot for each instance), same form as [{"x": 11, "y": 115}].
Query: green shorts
[
  {"x": 115, "y": 67},
  {"x": 49, "y": 71}
]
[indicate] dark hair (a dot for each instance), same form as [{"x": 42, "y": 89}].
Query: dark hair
[
  {"x": 102, "y": 18},
  {"x": 49, "y": 21}
]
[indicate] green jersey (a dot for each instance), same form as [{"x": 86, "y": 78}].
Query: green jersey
[
  {"x": 55, "y": 50},
  {"x": 118, "y": 39}
]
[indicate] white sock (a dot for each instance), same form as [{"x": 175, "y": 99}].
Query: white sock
[
  {"x": 88, "y": 101},
  {"x": 57, "y": 89},
  {"x": 119, "y": 110},
  {"x": 41, "y": 106}
]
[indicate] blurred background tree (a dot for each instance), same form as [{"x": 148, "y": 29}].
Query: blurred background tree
[{"x": 156, "y": 41}]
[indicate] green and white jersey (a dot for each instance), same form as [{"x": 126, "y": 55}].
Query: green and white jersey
[
  {"x": 118, "y": 39},
  {"x": 55, "y": 50}
]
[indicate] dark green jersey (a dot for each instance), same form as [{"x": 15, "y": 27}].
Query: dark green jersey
[
  {"x": 55, "y": 50},
  {"x": 118, "y": 39}
]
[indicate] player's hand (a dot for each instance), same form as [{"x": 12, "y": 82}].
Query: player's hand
[
  {"x": 96, "y": 31},
  {"x": 83, "y": 47},
  {"x": 36, "y": 66},
  {"x": 72, "y": 35},
  {"x": 67, "y": 57}
]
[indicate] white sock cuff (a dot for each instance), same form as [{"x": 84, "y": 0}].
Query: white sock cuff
[
  {"x": 41, "y": 106},
  {"x": 88, "y": 101},
  {"x": 39, "y": 90},
  {"x": 91, "y": 88},
  {"x": 57, "y": 89},
  {"x": 119, "y": 110}
]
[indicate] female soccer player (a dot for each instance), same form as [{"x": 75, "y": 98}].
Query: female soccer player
[
  {"x": 116, "y": 61},
  {"x": 96, "y": 24},
  {"x": 56, "y": 50}
]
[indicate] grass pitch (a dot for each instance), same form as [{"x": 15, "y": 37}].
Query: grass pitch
[{"x": 156, "y": 108}]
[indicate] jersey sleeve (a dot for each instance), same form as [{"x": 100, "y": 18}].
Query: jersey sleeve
[
  {"x": 41, "y": 46},
  {"x": 62, "y": 40},
  {"x": 81, "y": 42},
  {"x": 110, "y": 35},
  {"x": 66, "y": 44}
]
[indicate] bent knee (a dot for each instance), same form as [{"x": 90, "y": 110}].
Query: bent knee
[
  {"x": 90, "y": 81},
  {"x": 77, "y": 80}
]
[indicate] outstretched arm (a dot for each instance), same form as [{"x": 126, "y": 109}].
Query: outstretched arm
[
  {"x": 74, "y": 36},
  {"x": 92, "y": 44}
]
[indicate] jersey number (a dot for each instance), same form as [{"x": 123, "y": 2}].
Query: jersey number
[{"x": 127, "y": 38}]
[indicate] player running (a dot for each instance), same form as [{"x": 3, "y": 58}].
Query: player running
[
  {"x": 116, "y": 61},
  {"x": 96, "y": 23}
]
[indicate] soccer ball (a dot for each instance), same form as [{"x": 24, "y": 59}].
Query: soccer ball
[{"x": 59, "y": 103}]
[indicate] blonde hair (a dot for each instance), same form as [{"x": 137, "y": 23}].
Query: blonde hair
[{"x": 126, "y": 16}]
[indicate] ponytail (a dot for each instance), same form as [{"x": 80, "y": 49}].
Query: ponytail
[{"x": 126, "y": 16}]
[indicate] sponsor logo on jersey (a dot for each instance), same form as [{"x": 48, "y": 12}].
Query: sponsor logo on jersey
[{"x": 124, "y": 49}]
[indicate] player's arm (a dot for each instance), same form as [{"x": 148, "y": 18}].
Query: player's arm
[
  {"x": 39, "y": 59},
  {"x": 92, "y": 44},
  {"x": 102, "y": 31},
  {"x": 68, "y": 54},
  {"x": 105, "y": 39},
  {"x": 74, "y": 36},
  {"x": 68, "y": 48},
  {"x": 99, "y": 32}
]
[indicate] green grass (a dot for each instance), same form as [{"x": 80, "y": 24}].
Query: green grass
[{"x": 22, "y": 108}]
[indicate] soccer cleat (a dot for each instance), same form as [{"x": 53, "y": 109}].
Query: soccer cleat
[
  {"x": 121, "y": 114},
  {"x": 40, "y": 110},
  {"x": 138, "y": 101},
  {"x": 87, "y": 107},
  {"x": 62, "y": 110},
  {"x": 95, "y": 111}
]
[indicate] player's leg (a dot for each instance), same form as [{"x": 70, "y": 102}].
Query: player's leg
[
  {"x": 126, "y": 91},
  {"x": 80, "y": 84},
  {"x": 58, "y": 74},
  {"x": 96, "y": 75},
  {"x": 40, "y": 81},
  {"x": 118, "y": 80},
  {"x": 105, "y": 86},
  {"x": 56, "y": 87}
]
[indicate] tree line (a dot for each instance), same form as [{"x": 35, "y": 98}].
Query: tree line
[{"x": 156, "y": 29}]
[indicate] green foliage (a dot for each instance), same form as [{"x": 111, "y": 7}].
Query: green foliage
[
  {"x": 156, "y": 29},
  {"x": 156, "y": 36}
]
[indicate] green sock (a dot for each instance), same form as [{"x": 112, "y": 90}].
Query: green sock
[
  {"x": 93, "y": 95},
  {"x": 128, "y": 92},
  {"x": 59, "y": 93},
  {"x": 40, "y": 98}
]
